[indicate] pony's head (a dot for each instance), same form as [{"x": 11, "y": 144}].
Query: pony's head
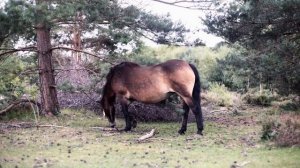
[
  {"x": 108, "y": 98},
  {"x": 108, "y": 110}
]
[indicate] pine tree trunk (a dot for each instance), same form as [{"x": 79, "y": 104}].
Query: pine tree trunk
[{"x": 49, "y": 101}]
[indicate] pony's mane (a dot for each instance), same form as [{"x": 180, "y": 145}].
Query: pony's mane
[
  {"x": 126, "y": 64},
  {"x": 112, "y": 72},
  {"x": 108, "y": 81}
]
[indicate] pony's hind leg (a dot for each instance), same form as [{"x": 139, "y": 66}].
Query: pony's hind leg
[
  {"x": 198, "y": 115},
  {"x": 184, "y": 119},
  {"x": 196, "y": 108}
]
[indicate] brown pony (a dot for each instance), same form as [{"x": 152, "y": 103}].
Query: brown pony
[{"x": 129, "y": 81}]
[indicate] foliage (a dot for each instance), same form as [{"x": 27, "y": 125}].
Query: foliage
[
  {"x": 290, "y": 106},
  {"x": 109, "y": 23},
  {"x": 289, "y": 132},
  {"x": 270, "y": 128},
  {"x": 66, "y": 86},
  {"x": 255, "y": 97},
  {"x": 105, "y": 27},
  {"x": 283, "y": 130},
  {"x": 219, "y": 95},
  {"x": 21, "y": 113},
  {"x": 13, "y": 84},
  {"x": 268, "y": 31}
]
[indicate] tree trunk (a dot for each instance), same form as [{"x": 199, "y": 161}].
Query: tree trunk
[
  {"x": 49, "y": 101},
  {"x": 77, "y": 29}
]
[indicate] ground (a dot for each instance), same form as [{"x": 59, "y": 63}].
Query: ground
[{"x": 230, "y": 140}]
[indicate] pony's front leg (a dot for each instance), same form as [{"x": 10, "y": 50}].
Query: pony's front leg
[{"x": 124, "y": 105}]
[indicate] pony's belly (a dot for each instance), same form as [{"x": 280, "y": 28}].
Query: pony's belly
[{"x": 150, "y": 98}]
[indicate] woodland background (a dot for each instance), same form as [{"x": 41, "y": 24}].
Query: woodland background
[{"x": 54, "y": 56}]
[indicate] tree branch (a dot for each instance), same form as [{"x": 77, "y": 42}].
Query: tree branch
[
  {"x": 9, "y": 107},
  {"x": 146, "y": 136},
  {"x": 81, "y": 51},
  {"x": 180, "y": 3},
  {"x": 13, "y": 50}
]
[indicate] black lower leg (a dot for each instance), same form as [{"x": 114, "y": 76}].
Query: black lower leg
[
  {"x": 184, "y": 119},
  {"x": 199, "y": 119},
  {"x": 126, "y": 116}
]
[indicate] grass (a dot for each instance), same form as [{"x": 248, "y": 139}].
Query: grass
[{"x": 78, "y": 145}]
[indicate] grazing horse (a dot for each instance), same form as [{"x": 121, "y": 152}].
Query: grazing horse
[{"x": 129, "y": 81}]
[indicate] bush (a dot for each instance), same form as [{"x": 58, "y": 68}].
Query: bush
[
  {"x": 290, "y": 106},
  {"x": 270, "y": 128},
  {"x": 284, "y": 131},
  {"x": 220, "y": 95},
  {"x": 255, "y": 98},
  {"x": 290, "y": 103},
  {"x": 289, "y": 132}
]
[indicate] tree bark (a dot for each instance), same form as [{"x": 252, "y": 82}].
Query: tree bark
[{"x": 49, "y": 101}]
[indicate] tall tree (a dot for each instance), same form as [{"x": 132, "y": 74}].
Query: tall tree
[
  {"x": 44, "y": 22},
  {"x": 47, "y": 84},
  {"x": 271, "y": 30}
]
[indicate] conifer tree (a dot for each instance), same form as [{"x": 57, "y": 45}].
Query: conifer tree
[{"x": 44, "y": 23}]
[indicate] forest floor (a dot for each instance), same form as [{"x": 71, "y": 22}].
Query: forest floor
[{"x": 230, "y": 140}]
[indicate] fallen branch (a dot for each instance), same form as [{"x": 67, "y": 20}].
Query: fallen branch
[
  {"x": 235, "y": 165},
  {"x": 28, "y": 125},
  {"x": 214, "y": 111},
  {"x": 9, "y": 107},
  {"x": 147, "y": 136},
  {"x": 105, "y": 128},
  {"x": 55, "y": 126}
]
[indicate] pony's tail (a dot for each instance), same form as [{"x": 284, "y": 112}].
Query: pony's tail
[{"x": 197, "y": 85}]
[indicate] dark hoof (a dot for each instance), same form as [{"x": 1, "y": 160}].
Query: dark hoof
[
  {"x": 199, "y": 133},
  {"x": 126, "y": 129},
  {"x": 181, "y": 132}
]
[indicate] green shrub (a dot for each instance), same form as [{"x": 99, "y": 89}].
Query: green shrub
[
  {"x": 220, "y": 95},
  {"x": 18, "y": 113},
  {"x": 257, "y": 98},
  {"x": 283, "y": 130},
  {"x": 270, "y": 128},
  {"x": 290, "y": 106},
  {"x": 290, "y": 103},
  {"x": 289, "y": 132},
  {"x": 66, "y": 86}
]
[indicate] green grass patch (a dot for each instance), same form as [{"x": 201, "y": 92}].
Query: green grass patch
[{"x": 78, "y": 145}]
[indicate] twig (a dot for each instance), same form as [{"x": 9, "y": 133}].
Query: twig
[{"x": 147, "y": 136}]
